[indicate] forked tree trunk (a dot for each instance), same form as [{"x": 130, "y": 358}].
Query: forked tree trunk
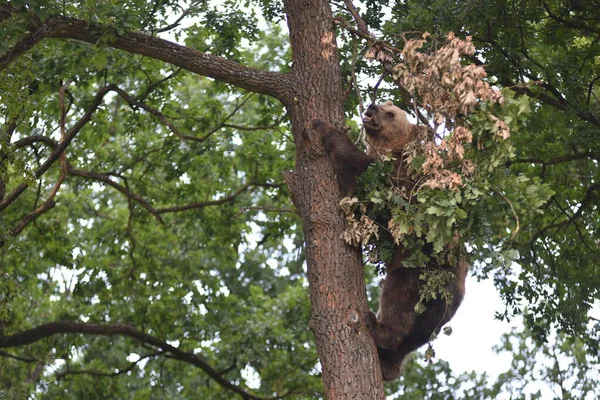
[{"x": 335, "y": 272}]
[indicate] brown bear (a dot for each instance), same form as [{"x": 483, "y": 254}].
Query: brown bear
[{"x": 397, "y": 329}]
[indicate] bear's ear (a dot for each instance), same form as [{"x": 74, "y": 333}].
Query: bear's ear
[{"x": 388, "y": 103}]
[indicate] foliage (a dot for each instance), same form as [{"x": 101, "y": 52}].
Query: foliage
[
  {"x": 173, "y": 217},
  {"x": 549, "y": 51},
  {"x": 564, "y": 365},
  {"x": 444, "y": 202},
  {"x": 163, "y": 221}
]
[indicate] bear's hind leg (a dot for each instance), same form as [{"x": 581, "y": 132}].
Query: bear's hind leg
[
  {"x": 384, "y": 336},
  {"x": 391, "y": 364}
]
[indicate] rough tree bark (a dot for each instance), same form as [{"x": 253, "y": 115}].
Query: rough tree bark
[
  {"x": 348, "y": 355},
  {"x": 312, "y": 90}
]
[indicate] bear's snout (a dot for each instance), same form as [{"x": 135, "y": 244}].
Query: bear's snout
[{"x": 371, "y": 110}]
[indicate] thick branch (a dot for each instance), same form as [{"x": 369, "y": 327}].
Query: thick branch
[
  {"x": 270, "y": 83},
  {"x": 54, "y": 328}
]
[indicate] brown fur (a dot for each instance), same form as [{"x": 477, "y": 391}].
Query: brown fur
[
  {"x": 397, "y": 329},
  {"x": 387, "y": 129}
]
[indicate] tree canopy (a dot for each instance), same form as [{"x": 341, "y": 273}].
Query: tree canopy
[{"x": 153, "y": 245}]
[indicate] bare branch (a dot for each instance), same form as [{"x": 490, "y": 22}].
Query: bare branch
[{"x": 64, "y": 327}]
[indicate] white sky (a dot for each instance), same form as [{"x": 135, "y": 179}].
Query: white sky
[{"x": 475, "y": 331}]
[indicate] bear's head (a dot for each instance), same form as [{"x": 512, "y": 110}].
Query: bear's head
[{"x": 387, "y": 129}]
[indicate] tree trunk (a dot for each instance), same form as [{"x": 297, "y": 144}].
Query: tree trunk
[{"x": 335, "y": 272}]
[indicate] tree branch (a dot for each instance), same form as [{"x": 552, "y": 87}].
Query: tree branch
[
  {"x": 23, "y": 359},
  {"x": 557, "y": 160},
  {"x": 571, "y": 218},
  {"x": 360, "y": 23},
  {"x": 28, "y": 41},
  {"x": 121, "y": 371},
  {"x": 153, "y": 85},
  {"x": 59, "y": 149},
  {"x": 552, "y": 96},
  {"x": 6, "y": 12},
  {"x": 62, "y": 327},
  {"x": 274, "y": 84},
  {"x": 177, "y": 21},
  {"x": 267, "y": 209},
  {"x": 133, "y": 103},
  {"x": 575, "y": 24},
  {"x": 29, "y": 140},
  {"x": 49, "y": 203},
  {"x": 105, "y": 177},
  {"x": 207, "y": 203}
]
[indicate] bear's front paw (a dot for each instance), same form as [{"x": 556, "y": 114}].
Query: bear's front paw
[{"x": 370, "y": 320}]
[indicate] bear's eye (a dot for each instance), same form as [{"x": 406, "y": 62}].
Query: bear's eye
[{"x": 390, "y": 115}]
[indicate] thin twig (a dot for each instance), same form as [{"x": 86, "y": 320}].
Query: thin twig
[
  {"x": 49, "y": 203},
  {"x": 70, "y": 135},
  {"x": 516, "y": 230},
  {"x": 268, "y": 209},
  {"x": 177, "y": 21}
]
